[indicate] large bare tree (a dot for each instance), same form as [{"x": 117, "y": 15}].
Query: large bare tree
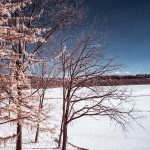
[{"x": 81, "y": 64}]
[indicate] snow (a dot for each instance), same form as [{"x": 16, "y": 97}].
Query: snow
[
  {"x": 101, "y": 135},
  {"x": 96, "y": 133}
]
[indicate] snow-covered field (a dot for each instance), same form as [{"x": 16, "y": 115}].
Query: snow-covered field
[{"x": 100, "y": 134}]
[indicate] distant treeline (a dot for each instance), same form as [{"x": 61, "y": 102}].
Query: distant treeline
[
  {"x": 107, "y": 80},
  {"x": 120, "y": 80}
]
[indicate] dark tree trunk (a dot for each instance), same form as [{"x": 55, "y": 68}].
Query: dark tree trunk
[
  {"x": 64, "y": 144},
  {"x": 37, "y": 134},
  {"x": 19, "y": 137},
  {"x": 40, "y": 109},
  {"x": 60, "y": 137},
  {"x": 61, "y": 132}
]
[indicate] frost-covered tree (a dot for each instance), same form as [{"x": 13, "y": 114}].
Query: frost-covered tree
[
  {"x": 17, "y": 105},
  {"x": 25, "y": 26}
]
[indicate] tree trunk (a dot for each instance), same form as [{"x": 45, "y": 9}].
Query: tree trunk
[
  {"x": 40, "y": 109},
  {"x": 60, "y": 137},
  {"x": 37, "y": 134},
  {"x": 19, "y": 137},
  {"x": 64, "y": 144},
  {"x": 61, "y": 132}
]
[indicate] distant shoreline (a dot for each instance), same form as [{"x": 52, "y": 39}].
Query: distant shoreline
[{"x": 109, "y": 80}]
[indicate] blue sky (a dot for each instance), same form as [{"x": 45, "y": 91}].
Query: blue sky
[{"x": 128, "y": 25}]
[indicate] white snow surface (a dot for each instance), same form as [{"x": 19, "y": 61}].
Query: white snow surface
[{"x": 94, "y": 133}]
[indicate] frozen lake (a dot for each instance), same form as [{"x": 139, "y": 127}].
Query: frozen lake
[{"x": 101, "y": 135}]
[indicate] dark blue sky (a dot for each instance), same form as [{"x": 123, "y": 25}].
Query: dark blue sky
[{"x": 128, "y": 24}]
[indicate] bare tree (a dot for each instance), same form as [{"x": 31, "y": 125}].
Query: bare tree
[
  {"x": 81, "y": 64},
  {"x": 45, "y": 79}
]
